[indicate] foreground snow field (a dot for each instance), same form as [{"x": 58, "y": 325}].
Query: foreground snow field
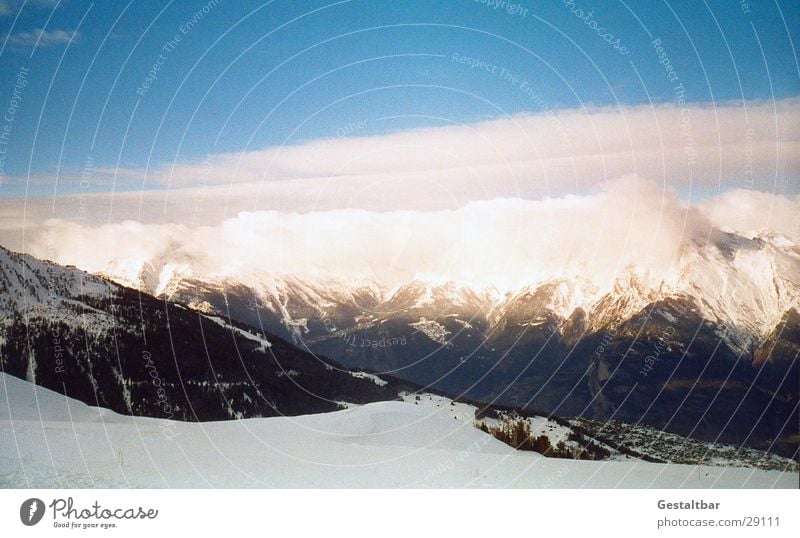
[{"x": 48, "y": 440}]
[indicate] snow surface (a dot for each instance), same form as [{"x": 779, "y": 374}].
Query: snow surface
[
  {"x": 372, "y": 377},
  {"x": 432, "y": 329},
  {"x": 264, "y": 343},
  {"x": 466, "y": 413},
  {"x": 49, "y": 440}
]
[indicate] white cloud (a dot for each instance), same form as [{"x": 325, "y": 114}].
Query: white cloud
[
  {"x": 507, "y": 242},
  {"x": 43, "y": 38},
  {"x": 752, "y": 213},
  {"x": 728, "y": 145}
]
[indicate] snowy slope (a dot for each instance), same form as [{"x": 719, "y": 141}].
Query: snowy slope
[
  {"x": 32, "y": 288},
  {"x": 51, "y": 441}
]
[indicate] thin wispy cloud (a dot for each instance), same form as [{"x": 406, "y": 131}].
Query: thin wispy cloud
[
  {"x": 43, "y": 38},
  {"x": 701, "y": 146}
]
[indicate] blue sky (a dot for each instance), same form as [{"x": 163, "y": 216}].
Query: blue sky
[{"x": 245, "y": 77}]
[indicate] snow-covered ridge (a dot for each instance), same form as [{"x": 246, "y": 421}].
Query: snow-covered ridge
[
  {"x": 432, "y": 329},
  {"x": 263, "y": 342},
  {"x": 34, "y": 288},
  {"x": 372, "y": 377},
  {"x": 28, "y": 282}
]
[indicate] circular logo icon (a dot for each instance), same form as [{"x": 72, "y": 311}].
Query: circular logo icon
[{"x": 31, "y": 512}]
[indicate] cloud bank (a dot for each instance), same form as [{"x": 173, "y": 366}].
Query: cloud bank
[
  {"x": 728, "y": 145},
  {"x": 502, "y": 242}
]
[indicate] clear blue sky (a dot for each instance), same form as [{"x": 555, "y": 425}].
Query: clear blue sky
[{"x": 246, "y": 76}]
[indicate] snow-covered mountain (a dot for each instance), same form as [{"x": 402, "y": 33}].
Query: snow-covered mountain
[
  {"x": 745, "y": 286},
  {"x": 30, "y": 288}
]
